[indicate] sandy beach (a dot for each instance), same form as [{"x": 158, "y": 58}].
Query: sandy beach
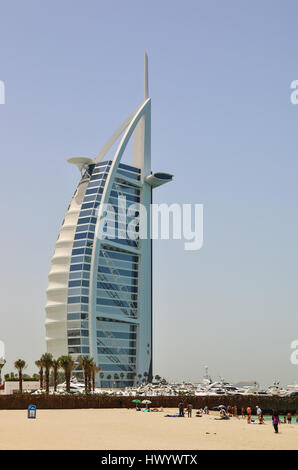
[{"x": 127, "y": 429}]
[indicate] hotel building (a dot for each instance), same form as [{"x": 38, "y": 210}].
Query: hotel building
[{"x": 99, "y": 296}]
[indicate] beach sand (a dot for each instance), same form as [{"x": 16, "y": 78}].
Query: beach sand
[{"x": 128, "y": 429}]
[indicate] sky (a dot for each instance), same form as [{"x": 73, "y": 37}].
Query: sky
[{"x": 222, "y": 124}]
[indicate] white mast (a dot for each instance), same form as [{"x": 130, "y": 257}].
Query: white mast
[
  {"x": 146, "y": 82},
  {"x": 141, "y": 155}
]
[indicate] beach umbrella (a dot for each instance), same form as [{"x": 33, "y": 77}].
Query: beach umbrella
[
  {"x": 136, "y": 402},
  {"x": 146, "y": 402},
  {"x": 219, "y": 407}
]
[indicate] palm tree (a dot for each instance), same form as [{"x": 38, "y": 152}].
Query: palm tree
[
  {"x": 116, "y": 377},
  {"x": 94, "y": 370},
  {"x": 85, "y": 363},
  {"x": 47, "y": 362},
  {"x": 40, "y": 366},
  {"x": 55, "y": 366},
  {"x": 109, "y": 379},
  {"x": 140, "y": 376},
  {"x": 157, "y": 378},
  {"x": 122, "y": 377},
  {"x": 20, "y": 364},
  {"x": 146, "y": 375},
  {"x": 101, "y": 375},
  {"x": 92, "y": 363},
  {"x": 67, "y": 365}
]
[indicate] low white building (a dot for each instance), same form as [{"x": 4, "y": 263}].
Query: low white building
[{"x": 13, "y": 386}]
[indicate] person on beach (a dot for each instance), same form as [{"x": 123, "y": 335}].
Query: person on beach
[
  {"x": 181, "y": 409},
  {"x": 235, "y": 412},
  {"x": 289, "y": 418},
  {"x": 275, "y": 421},
  {"x": 243, "y": 412},
  {"x": 259, "y": 413},
  {"x": 261, "y": 419},
  {"x": 189, "y": 410},
  {"x": 297, "y": 419},
  {"x": 222, "y": 415},
  {"x": 248, "y": 412}
]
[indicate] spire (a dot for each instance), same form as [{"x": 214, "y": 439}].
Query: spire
[
  {"x": 141, "y": 155},
  {"x": 146, "y": 84}
]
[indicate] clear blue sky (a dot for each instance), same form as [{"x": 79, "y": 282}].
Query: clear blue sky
[{"x": 222, "y": 123}]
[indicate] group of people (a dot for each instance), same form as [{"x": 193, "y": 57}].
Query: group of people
[
  {"x": 232, "y": 411},
  {"x": 202, "y": 411},
  {"x": 259, "y": 412},
  {"x": 223, "y": 414},
  {"x": 187, "y": 410},
  {"x": 276, "y": 420},
  {"x": 275, "y": 417},
  {"x": 147, "y": 408}
]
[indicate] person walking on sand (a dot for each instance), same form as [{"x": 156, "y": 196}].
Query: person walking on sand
[
  {"x": 242, "y": 411},
  {"x": 189, "y": 410},
  {"x": 289, "y": 418},
  {"x": 259, "y": 413},
  {"x": 275, "y": 421},
  {"x": 181, "y": 409},
  {"x": 248, "y": 412}
]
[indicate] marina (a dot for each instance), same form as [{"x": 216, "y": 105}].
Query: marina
[{"x": 216, "y": 388}]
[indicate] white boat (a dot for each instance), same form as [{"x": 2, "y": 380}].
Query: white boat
[{"x": 75, "y": 386}]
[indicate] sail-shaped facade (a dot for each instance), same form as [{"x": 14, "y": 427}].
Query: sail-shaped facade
[{"x": 99, "y": 296}]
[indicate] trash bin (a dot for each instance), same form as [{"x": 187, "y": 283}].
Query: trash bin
[{"x": 31, "y": 412}]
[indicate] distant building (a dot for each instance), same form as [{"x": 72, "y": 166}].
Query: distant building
[
  {"x": 10, "y": 387},
  {"x": 249, "y": 383}
]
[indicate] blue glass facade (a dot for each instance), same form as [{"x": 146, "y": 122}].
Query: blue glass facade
[{"x": 116, "y": 293}]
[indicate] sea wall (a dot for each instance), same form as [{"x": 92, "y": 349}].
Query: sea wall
[{"x": 20, "y": 402}]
